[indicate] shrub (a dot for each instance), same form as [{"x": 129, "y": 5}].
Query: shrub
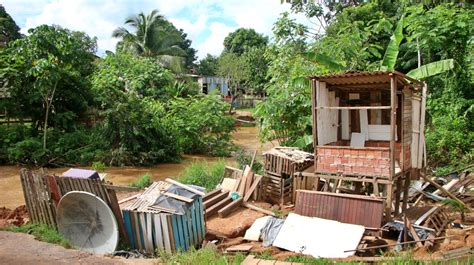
[
  {"x": 203, "y": 174},
  {"x": 142, "y": 182},
  {"x": 10, "y": 135},
  {"x": 28, "y": 152},
  {"x": 201, "y": 124},
  {"x": 98, "y": 166}
]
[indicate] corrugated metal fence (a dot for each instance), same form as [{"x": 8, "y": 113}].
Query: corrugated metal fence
[{"x": 346, "y": 208}]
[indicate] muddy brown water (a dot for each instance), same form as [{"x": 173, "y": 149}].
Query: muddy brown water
[{"x": 11, "y": 194}]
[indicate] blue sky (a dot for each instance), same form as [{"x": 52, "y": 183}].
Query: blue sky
[{"x": 207, "y": 23}]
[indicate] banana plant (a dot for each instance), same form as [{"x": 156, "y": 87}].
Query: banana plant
[{"x": 391, "y": 53}]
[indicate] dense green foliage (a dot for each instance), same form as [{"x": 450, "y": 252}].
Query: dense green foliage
[
  {"x": 46, "y": 75},
  {"x": 124, "y": 109},
  {"x": 203, "y": 174},
  {"x": 355, "y": 39},
  {"x": 207, "y": 66},
  {"x": 9, "y": 30},
  {"x": 242, "y": 40},
  {"x": 202, "y": 127}
]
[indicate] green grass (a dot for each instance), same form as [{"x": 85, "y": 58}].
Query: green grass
[
  {"x": 202, "y": 256},
  {"x": 204, "y": 174},
  {"x": 43, "y": 233},
  {"x": 142, "y": 182}
]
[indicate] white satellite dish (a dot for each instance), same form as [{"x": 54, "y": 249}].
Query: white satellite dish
[{"x": 87, "y": 222}]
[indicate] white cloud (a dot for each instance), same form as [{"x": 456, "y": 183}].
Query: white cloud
[
  {"x": 100, "y": 18},
  {"x": 214, "y": 44}
]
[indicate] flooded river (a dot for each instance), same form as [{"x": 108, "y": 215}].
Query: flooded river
[{"x": 11, "y": 194}]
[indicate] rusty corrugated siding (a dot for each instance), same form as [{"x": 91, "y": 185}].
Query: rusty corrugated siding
[{"x": 351, "y": 209}]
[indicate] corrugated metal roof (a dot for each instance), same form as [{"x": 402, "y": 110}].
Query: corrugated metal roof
[{"x": 364, "y": 78}]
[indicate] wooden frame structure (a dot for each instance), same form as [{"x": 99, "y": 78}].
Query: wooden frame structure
[{"x": 368, "y": 131}]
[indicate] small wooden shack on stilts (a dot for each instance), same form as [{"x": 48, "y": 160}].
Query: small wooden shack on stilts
[{"x": 368, "y": 133}]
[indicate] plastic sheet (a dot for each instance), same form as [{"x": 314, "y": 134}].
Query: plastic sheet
[
  {"x": 171, "y": 203},
  {"x": 271, "y": 230}
]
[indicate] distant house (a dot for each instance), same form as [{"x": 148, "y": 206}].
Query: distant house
[{"x": 209, "y": 84}]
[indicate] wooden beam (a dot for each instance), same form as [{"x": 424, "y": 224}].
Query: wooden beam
[
  {"x": 356, "y": 107},
  {"x": 258, "y": 209},
  {"x": 215, "y": 199},
  {"x": 315, "y": 86},
  {"x": 443, "y": 190},
  {"x": 128, "y": 199},
  {"x": 393, "y": 123},
  {"x": 252, "y": 188},
  {"x": 401, "y": 243},
  {"x": 229, "y": 208},
  {"x": 213, "y": 209},
  {"x": 120, "y": 188},
  {"x": 405, "y": 191},
  {"x": 186, "y": 187},
  {"x": 178, "y": 197},
  {"x": 211, "y": 194}
]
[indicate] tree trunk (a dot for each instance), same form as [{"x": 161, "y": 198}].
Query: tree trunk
[{"x": 49, "y": 101}]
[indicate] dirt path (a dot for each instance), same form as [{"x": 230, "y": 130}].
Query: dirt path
[{"x": 18, "y": 248}]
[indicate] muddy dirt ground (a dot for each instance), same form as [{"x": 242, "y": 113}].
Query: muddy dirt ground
[{"x": 18, "y": 248}]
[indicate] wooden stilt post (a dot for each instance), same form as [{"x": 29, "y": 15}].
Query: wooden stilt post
[
  {"x": 393, "y": 121},
  {"x": 405, "y": 191},
  {"x": 397, "y": 196},
  {"x": 315, "y": 87}
]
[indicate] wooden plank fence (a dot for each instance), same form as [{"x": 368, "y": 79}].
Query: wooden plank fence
[{"x": 42, "y": 193}]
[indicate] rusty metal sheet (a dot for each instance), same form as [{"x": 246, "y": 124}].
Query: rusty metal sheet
[{"x": 346, "y": 208}]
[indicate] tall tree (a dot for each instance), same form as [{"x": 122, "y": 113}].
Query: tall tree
[
  {"x": 152, "y": 37},
  {"x": 242, "y": 40},
  {"x": 48, "y": 70},
  {"x": 208, "y": 65},
  {"x": 9, "y": 30}
]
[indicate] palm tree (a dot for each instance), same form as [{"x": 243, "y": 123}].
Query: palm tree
[{"x": 152, "y": 36}]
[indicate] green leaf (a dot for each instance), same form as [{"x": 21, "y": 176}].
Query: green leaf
[
  {"x": 431, "y": 69},
  {"x": 324, "y": 60},
  {"x": 391, "y": 53}
]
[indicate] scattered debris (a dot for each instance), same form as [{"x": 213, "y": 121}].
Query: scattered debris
[
  {"x": 239, "y": 248},
  {"x": 280, "y": 164},
  {"x": 318, "y": 237},
  {"x": 270, "y": 230},
  {"x": 253, "y": 233},
  {"x": 168, "y": 216}
]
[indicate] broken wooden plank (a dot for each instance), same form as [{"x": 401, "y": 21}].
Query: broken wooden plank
[
  {"x": 228, "y": 209},
  {"x": 186, "y": 187},
  {"x": 239, "y": 248},
  {"x": 243, "y": 180},
  {"x": 211, "y": 194},
  {"x": 120, "y": 188},
  {"x": 213, "y": 209},
  {"x": 215, "y": 199},
  {"x": 258, "y": 209},
  {"x": 178, "y": 197},
  {"x": 128, "y": 199},
  {"x": 413, "y": 233},
  {"x": 443, "y": 190},
  {"x": 395, "y": 244},
  {"x": 252, "y": 188}
]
